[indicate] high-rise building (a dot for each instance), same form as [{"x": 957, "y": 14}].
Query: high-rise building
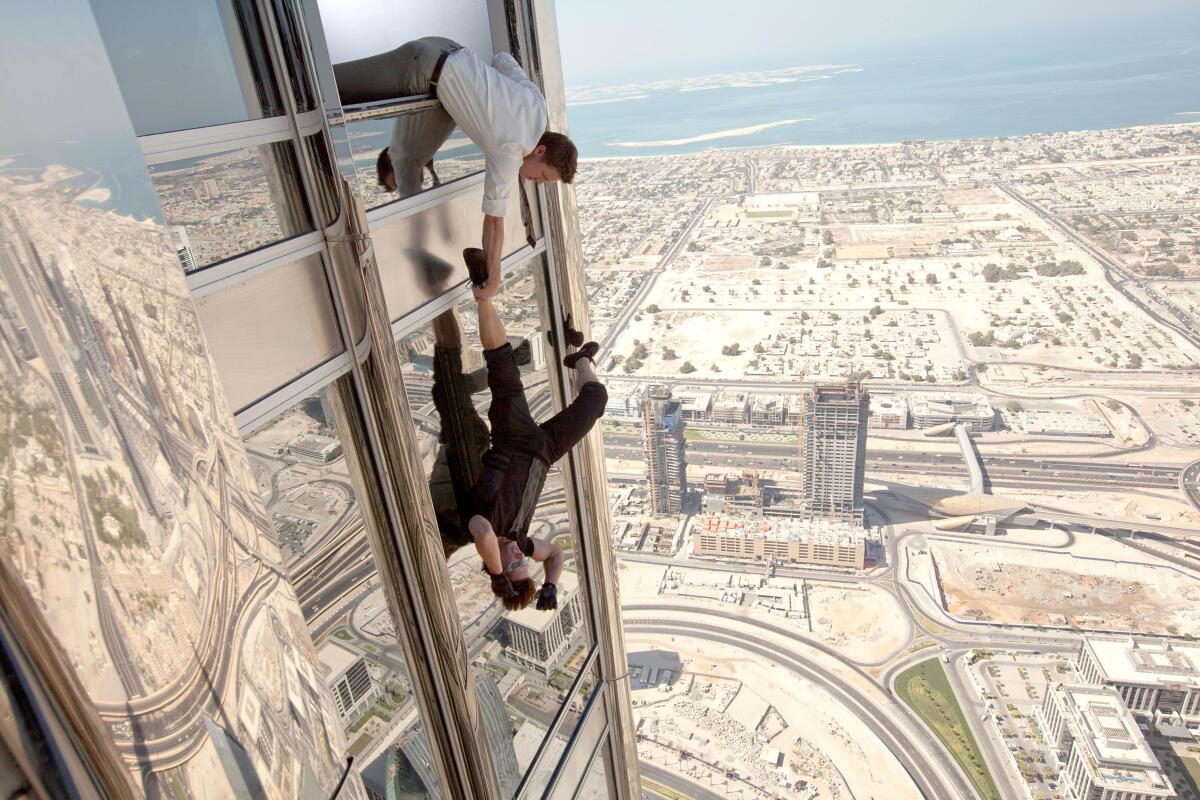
[
  {"x": 1097, "y": 746},
  {"x": 1151, "y": 675},
  {"x": 834, "y": 450},
  {"x": 541, "y": 640},
  {"x": 666, "y": 450},
  {"x": 216, "y": 456},
  {"x": 348, "y": 679}
]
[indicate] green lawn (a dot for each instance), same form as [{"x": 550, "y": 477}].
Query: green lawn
[
  {"x": 359, "y": 745},
  {"x": 1191, "y": 768},
  {"x": 927, "y": 691}
]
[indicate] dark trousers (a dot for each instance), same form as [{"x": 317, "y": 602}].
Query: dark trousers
[{"x": 513, "y": 425}]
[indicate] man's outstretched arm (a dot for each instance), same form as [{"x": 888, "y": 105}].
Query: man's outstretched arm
[
  {"x": 493, "y": 248},
  {"x": 486, "y": 543}
]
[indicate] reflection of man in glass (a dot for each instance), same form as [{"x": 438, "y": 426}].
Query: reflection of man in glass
[
  {"x": 496, "y": 105},
  {"x": 499, "y": 504}
]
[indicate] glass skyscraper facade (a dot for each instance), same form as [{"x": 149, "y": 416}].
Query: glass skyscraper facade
[{"x": 221, "y": 451}]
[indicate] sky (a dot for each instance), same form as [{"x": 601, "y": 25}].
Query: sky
[{"x": 618, "y": 41}]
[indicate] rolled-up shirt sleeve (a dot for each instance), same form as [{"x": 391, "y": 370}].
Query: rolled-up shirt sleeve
[{"x": 500, "y": 176}]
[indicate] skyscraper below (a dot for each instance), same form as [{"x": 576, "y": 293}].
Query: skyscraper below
[
  {"x": 834, "y": 452},
  {"x": 666, "y": 450}
]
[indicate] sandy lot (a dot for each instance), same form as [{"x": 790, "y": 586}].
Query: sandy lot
[
  {"x": 1023, "y": 586},
  {"x": 862, "y": 621},
  {"x": 819, "y": 731}
]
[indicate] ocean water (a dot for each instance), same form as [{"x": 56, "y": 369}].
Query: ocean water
[{"x": 922, "y": 97}]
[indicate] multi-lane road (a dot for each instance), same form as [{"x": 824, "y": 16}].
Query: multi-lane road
[{"x": 1003, "y": 470}]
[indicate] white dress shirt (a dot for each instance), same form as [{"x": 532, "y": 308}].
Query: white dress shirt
[{"x": 503, "y": 113}]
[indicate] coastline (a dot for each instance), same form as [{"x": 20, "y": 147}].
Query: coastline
[{"x": 864, "y": 145}]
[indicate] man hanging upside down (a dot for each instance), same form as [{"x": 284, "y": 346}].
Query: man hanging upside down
[{"x": 499, "y": 507}]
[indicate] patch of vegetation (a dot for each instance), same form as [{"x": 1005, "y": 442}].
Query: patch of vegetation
[
  {"x": 1057, "y": 270},
  {"x": 927, "y": 691},
  {"x": 104, "y": 505}
]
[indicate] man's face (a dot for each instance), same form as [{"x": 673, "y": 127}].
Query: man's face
[
  {"x": 513, "y": 561},
  {"x": 535, "y": 168}
]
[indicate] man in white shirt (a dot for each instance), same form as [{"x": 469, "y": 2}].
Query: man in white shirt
[{"x": 496, "y": 105}]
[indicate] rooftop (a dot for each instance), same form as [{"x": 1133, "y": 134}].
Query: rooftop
[
  {"x": 529, "y": 617},
  {"x": 805, "y": 530},
  {"x": 956, "y": 403},
  {"x": 335, "y": 659},
  {"x": 1120, "y": 758},
  {"x": 1132, "y": 660}
]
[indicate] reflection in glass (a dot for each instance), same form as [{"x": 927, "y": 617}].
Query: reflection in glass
[
  {"x": 301, "y": 472},
  {"x": 454, "y": 157},
  {"x": 222, "y": 205},
  {"x": 183, "y": 64},
  {"x": 131, "y": 517},
  {"x": 595, "y": 785},
  {"x": 531, "y": 656},
  {"x": 403, "y": 164}
]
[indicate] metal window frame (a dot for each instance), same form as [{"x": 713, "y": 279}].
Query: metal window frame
[
  {"x": 209, "y": 280},
  {"x": 557, "y": 723},
  {"x": 423, "y": 314},
  {"x": 590, "y": 717},
  {"x": 404, "y": 207},
  {"x": 163, "y": 148}
]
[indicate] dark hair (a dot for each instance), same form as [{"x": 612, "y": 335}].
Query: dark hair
[
  {"x": 526, "y": 591},
  {"x": 560, "y": 154},
  {"x": 383, "y": 167}
]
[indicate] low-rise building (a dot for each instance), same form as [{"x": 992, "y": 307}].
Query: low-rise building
[
  {"x": 315, "y": 448},
  {"x": 624, "y": 400},
  {"x": 540, "y": 640},
  {"x": 695, "y": 406},
  {"x": 785, "y": 540},
  {"x": 1097, "y": 746},
  {"x": 768, "y": 411},
  {"x": 928, "y": 409},
  {"x": 887, "y": 411},
  {"x": 730, "y": 408},
  {"x": 1062, "y": 423}
]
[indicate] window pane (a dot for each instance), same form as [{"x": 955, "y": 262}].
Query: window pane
[
  {"x": 302, "y": 472},
  {"x": 415, "y": 139},
  {"x": 185, "y": 64},
  {"x": 222, "y": 205},
  {"x": 531, "y": 656},
  {"x": 595, "y": 785},
  {"x": 420, "y": 256}
]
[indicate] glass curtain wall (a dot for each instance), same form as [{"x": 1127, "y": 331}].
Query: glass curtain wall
[{"x": 187, "y": 380}]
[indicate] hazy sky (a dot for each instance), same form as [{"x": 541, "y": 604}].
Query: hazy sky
[{"x": 629, "y": 40}]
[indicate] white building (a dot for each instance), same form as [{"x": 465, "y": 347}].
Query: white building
[
  {"x": 929, "y": 409},
  {"x": 315, "y": 448},
  {"x": 695, "y": 406},
  {"x": 888, "y": 411},
  {"x": 1150, "y": 674},
  {"x": 730, "y": 408},
  {"x": 787, "y": 540},
  {"x": 624, "y": 400},
  {"x": 1062, "y": 423},
  {"x": 541, "y": 639},
  {"x": 1097, "y": 746},
  {"x": 347, "y": 677},
  {"x": 768, "y": 410}
]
